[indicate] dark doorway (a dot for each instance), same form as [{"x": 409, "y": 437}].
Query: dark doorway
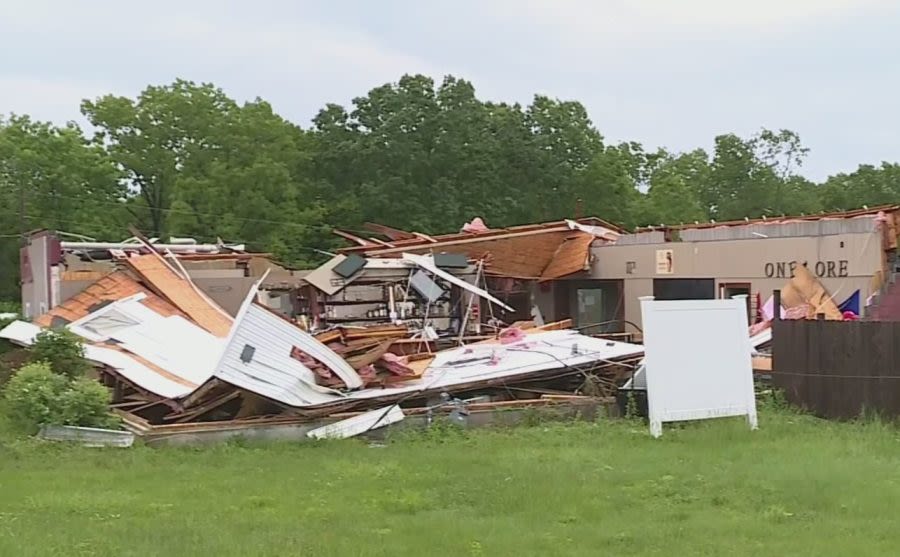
[
  {"x": 595, "y": 306},
  {"x": 684, "y": 289},
  {"x": 731, "y": 289}
]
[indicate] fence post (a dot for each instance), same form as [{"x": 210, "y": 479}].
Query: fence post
[
  {"x": 776, "y": 305},
  {"x": 820, "y": 385}
]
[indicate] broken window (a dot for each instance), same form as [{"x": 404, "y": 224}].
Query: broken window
[{"x": 109, "y": 323}]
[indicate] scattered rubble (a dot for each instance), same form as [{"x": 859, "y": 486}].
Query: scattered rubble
[{"x": 174, "y": 359}]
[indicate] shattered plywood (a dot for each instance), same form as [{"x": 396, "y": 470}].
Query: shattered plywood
[
  {"x": 158, "y": 275},
  {"x": 805, "y": 289},
  {"x": 571, "y": 257},
  {"x": 522, "y": 252}
]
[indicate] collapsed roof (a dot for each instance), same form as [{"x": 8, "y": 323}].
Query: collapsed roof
[
  {"x": 145, "y": 326},
  {"x": 542, "y": 251}
]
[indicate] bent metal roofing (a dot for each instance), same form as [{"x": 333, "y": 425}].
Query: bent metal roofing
[{"x": 866, "y": 211}]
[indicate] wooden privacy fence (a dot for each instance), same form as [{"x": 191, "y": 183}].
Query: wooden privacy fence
[{"x": 838, "y": 369}]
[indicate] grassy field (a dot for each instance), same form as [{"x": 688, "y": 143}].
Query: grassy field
[{"x": 797, "y": 486}]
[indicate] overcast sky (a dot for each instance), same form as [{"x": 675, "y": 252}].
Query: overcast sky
[{"x": 671, "y": 73}]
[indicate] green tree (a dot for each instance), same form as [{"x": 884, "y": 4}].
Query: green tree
[
  {"x": 62, "y": 350},
  {"x": 202, "y": 165},
  {"x": 674, "y": 190},
  {"x": 416, "y": 155},
  {"x": 867, "y": 185},
  {"x": 52, "y": 177},
  {"x": 757, "y": 176},
  {"x": 166, "y": 133},
  {"x": 608, "y": 185}
]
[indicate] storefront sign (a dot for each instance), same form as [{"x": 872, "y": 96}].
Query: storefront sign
[
  {"x": 822, "y": 269},
  {"x": 665, "y": 262}
]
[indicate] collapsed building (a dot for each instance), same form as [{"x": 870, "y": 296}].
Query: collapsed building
[
  {"x": 175, "y": 359},
  {"x": 53, "y": 270},
  {"x": 193, "y": 337}
]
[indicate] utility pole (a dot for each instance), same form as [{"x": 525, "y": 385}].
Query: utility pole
[{"x": 23, "y": 220}]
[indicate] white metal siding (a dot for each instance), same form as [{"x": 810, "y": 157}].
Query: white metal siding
[{"x": 272, "y": 372}]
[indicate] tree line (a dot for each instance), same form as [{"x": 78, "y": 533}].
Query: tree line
[{"x": 186, "y": 160}]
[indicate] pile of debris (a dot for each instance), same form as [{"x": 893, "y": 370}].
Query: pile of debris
[{"x": 179, "y": 364}]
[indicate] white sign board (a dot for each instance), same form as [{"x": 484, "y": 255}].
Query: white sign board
[
  {"x": 697, "y": 356},
  {"x": 665, "y": 261}
]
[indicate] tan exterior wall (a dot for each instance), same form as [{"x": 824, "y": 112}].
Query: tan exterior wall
[
  {"x": 633, "y": 289},
  {"x": 844, "y": 263},
  {"x": 229, "y": 293},
  {"x": 70, "y": 288}
]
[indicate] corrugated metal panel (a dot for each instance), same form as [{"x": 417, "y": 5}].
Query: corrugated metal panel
[
  {"x": 428, "y": 264},
  {"x": 824, "y": 227},
  {"x": 20, "y": 332},
  {"x": 641, "y": 238},
  {"x": 87, "y": 436}
]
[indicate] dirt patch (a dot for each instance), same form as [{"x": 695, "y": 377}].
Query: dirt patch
[{"x": 10, "y": 360}]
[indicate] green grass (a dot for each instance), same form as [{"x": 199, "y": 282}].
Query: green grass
[{"x": 798, "y": 486}]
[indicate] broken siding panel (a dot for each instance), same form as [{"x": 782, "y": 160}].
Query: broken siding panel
[
  {"x": 271, "y": 372},
  {"x": 358, "y": 425}
]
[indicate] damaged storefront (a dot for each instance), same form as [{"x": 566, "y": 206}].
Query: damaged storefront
[
  {"x": 852, "y": 254},
  {"x": 538, "y": 271}
]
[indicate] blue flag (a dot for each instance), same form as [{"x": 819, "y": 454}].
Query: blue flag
[{"x": 851, "y": 303}]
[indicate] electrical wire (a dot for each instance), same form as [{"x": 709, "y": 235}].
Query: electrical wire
[
  {"x": 582, "y": 369},
  {"x": 602, "y": 323},
  {"x": 188, "y": 212}
]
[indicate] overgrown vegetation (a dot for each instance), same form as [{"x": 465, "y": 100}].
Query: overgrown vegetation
[
  {"x": 35, "y": 395},
  {"x": 62, "y": 350},
  {"x": 52, "y": 388},
  {"x": 797, "y": 486}
]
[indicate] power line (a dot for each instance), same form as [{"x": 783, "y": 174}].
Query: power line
[
  {"x": 183, "y": 212},
  {"x": 209, "y": 215},
  {"x": 145, "y": 232},
  {"x": 54, "y": 220}
]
